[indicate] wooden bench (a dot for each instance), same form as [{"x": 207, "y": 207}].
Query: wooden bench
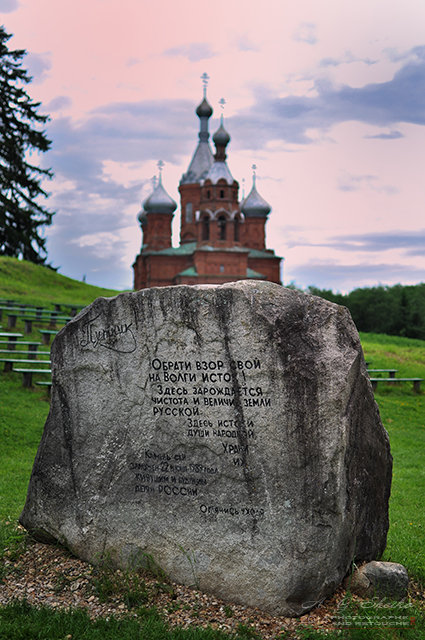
[
  {"x": 416, "y": 382},
  {"x": 391, "y": 372},
  {"x": 11, "y": 339},
  {"x": 28, "y": 320},
  {"x": 9, "y": 308},
  {"x": 27, "y": 375},
  {"x": 46, "y": 334},
  {"x": 25, "y": 310},
  {"x": 45, "y": 383},
  {"x": 13, "y": 310},
  {"x": 7, "y": 302},
  {"x": 9, "y": 362},
  {"x": 11, "y": 320},
  {"x": 73, "y": 308},
  {"x": 31, "y": 353},
  {"x": 33, "y": 346}
]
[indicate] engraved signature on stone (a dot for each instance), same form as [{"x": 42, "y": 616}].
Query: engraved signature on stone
[{"x": 116, "y": 337}]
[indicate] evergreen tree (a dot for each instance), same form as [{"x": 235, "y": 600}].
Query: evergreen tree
[{"x": 21, "y": 215}]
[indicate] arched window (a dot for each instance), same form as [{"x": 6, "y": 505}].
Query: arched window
[
  {"x": 221, "y": 193},
  {"x": 222, "y": 228},
  {"x": 236, "y": 230},
  {"x": 205, "y": 228},
  {"x": 189, "y": 212},
  {"x": 208, "y": 194}
]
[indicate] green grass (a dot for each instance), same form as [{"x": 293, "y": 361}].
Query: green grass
[
  {"x": 20, "y": 621},
  {"x": 403, "y": 415},
  {"x": 22, "y": 416},
  {"x": 34, "y": 284}
]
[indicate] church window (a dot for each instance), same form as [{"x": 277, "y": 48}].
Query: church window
[
  {"x": 222, "y": 268},
  {"x": 205, "y": 228},
  {"x": 236, "y": 230},
  {"x": 222, "y": 228},
  {"x": 189, "y": 212},
  {"x": 221, "y": 193},
  {"x": 208, "y": 194}
]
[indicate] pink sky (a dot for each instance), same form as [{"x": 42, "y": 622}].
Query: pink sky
[{"x": 326, "y": 97}]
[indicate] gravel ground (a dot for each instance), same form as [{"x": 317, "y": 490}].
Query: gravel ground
[{"x": 49, "y": 575}]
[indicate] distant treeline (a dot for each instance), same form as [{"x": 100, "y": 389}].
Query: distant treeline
[{"x": 397, "y": 310}]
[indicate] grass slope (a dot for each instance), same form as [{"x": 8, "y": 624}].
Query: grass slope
[
  {"x": 37, "y": 285},
  {"x": 403, "y": 415}
]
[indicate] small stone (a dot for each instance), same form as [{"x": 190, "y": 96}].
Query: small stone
[{"x": 380, "y": 579}]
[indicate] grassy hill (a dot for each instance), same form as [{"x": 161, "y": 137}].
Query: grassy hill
[{"x": 37, "y": 285}]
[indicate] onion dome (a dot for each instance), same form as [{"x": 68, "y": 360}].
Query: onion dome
[
  {"x": 221, "y": 137},
  {"x": 204, "y": 110},
  {"x": 141, "y": 216},
  {"x": 159, "y": 201},
  {"x": 254, "y": 206}
]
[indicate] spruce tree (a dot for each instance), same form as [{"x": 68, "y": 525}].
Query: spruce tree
[{"x": 21, "y": 134}]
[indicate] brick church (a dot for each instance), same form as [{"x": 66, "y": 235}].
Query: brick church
[{"x": 222, "y": 239}]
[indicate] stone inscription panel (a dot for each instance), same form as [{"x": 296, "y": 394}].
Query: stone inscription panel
[{"x": 211, "y": 408}]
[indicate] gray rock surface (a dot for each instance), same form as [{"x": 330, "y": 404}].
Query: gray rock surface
[
  {"x": 380, "y": 579},
  {"x": 228, "y": 431}
]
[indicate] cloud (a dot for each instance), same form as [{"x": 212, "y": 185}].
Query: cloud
[
  {"x": 7, "y": 6},
  {"x": 289, "y": 118},
  {"x": 414, "y": 53},
  {"x": 345, "y": 278},
  {"x": 412, "y": 242},
  {"x": 131, "y": 62},
  {"x": 305, "y": 32},
  {"x": 59, "y": 103},
  {"x": 348, "y": 58},
  {"x": 194, "y": 52},
  {"x": 244, "y": 43},
  {"x": 38, "y": 65},
  {"x": 391, "y": 135},
  {"x": 87, "y": 236},
  {"x": 94, "y": 209},
  {"x": 123, "y": 132},
  {"x": 350, "y": 182}
]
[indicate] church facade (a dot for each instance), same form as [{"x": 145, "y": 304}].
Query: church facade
[{"x": 222, "y": 239}]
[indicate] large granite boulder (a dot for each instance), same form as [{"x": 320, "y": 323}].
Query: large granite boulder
[{"x": 229, "y": 432}]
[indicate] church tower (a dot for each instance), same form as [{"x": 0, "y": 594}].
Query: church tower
[
  {"x": 221, "y": 238},
  {"x": 255, "y": 210},
  {"x": 198, "y": 168},
  {"x": 156, "y": 217}
]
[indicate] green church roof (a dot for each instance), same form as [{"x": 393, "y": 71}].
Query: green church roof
[
  {"x": 191, "y": 271},
  {"x": 250, "y": 273},
  {"x": 189, "y": 249}
]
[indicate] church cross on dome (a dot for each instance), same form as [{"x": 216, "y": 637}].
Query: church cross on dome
[
  {"x": 205, "y": 77},
  {"x": 160, "y": 165},
  {"x": 222, "y": 103}
]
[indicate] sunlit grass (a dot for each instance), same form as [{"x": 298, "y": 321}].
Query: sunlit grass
[{"x": 34, "y": 284}]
